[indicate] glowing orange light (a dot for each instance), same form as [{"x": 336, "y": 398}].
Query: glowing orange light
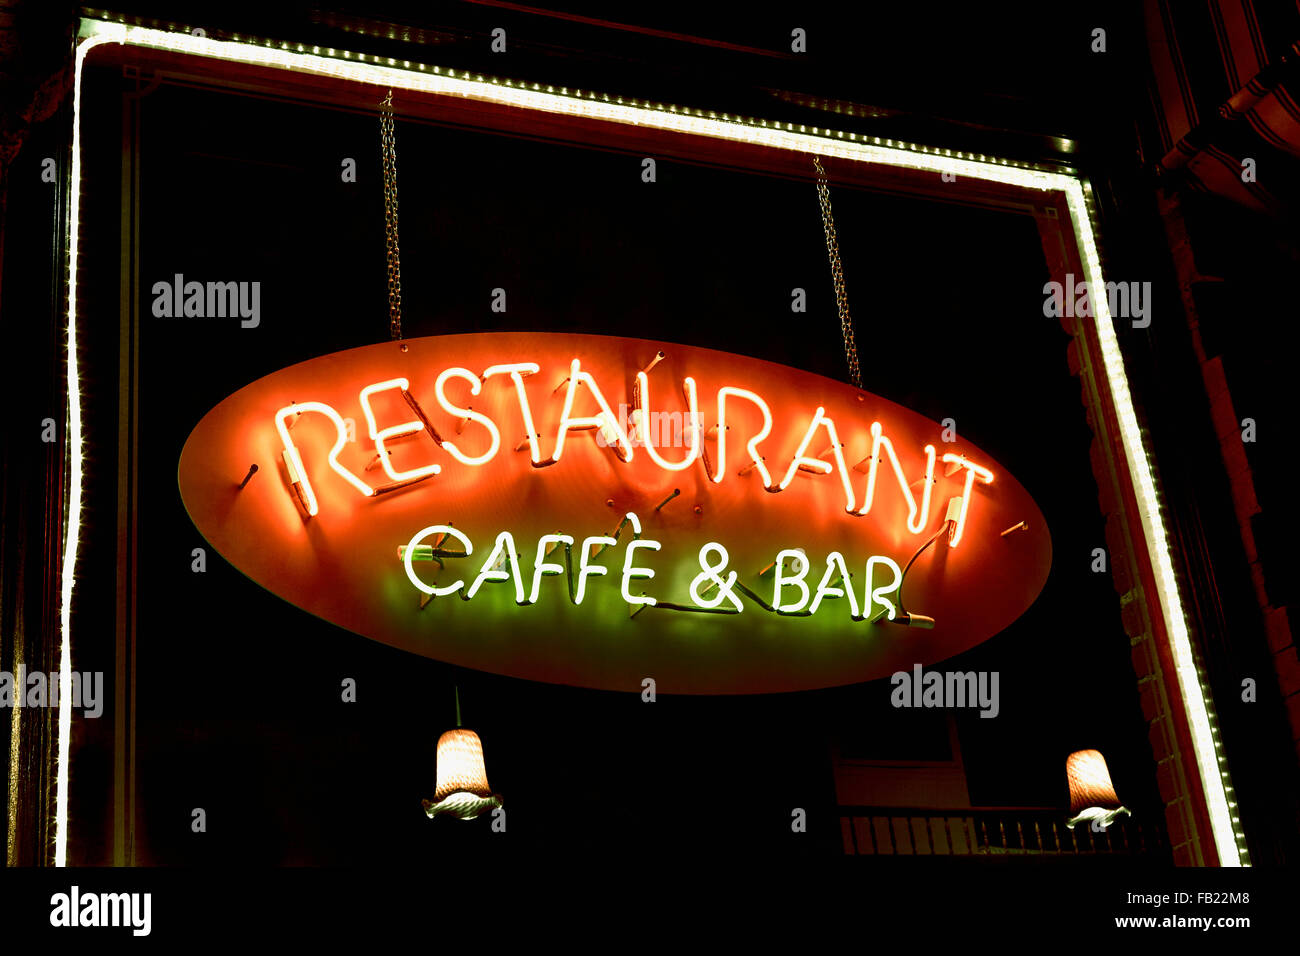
[
  {"x": 972, "y": 470},
  {"x": 752, "y": 445},
  {"x": 917, "y": 516},
  {"x": 1092, "y": 794},
  {"x": 516, "y": 372},
  {"x": 396, "y": 431},
  {"x": 605, "y": 421},
  {"x": 293, "y": 459},
  {"x": 475, "y": 386},
  {"x": 820, "y": 420},
  {"x": 462, "y": 789},
  {"x": 643, "y": 423}
]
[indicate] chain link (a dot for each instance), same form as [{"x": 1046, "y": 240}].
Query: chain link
[
  {"x": 389, "y": 143},
  {"x": 837, "y": 274}
]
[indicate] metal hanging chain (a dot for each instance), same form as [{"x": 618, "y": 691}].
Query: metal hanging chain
[
  {"x": 837, "y": 274},
  {"x": 389, "y": 144}
]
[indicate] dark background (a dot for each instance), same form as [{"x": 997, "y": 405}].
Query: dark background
[{"x": 238, "y": 693}]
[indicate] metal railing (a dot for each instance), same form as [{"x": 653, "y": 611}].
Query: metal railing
[{"x": 984, "y": 831}]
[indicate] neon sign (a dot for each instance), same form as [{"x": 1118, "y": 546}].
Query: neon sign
[{"x": 595, "y": 510}]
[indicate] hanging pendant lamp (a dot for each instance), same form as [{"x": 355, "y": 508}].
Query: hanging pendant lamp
[
  {"x": 1092, "y": 795},
  {"x": 462, "y": 790}
]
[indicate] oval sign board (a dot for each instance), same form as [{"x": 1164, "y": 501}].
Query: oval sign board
[{"x": 595, "y": 511}]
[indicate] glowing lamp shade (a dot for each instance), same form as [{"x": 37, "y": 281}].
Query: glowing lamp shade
[
  {"x": 462, "y": 790},
  {"x": 1092, "y": 795}
]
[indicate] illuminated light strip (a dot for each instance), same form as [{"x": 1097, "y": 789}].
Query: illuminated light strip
[
  {"x": 1195, "y": 694},
  {"x": 361, "y": 68},
  {"x": 831, "y": 143},
  {"x": 379, "y": 436},
  {"x": 475, "y": 386},
  {"x": 75, "y": 452},
  {"x": 756, "y": 460},
  {"x": 816, "y": 464},
  {"x": 643, "y": 421},
  {"x": 972, "y": 470}
]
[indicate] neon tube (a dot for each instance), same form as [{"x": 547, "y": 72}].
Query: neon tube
[
  {"x": 643, "y": 419},
  {"x": 503, "y": 552},
  {"x": 516, "y": 373},
  {"x": 629, "y": 571},
  {"x": 917, "y": 516},
  {"x": 605, "y": 420},
  {"x": 541, "y": 566},
  {"x": 475, "y": 386},
  {"x": 834, "y": 562},
  {"x": 871, "y": 596},
  {"x": 295, "y": 459},
  {"x": 802, "y": 564},
  {"x": 710, "y": 573},
  {"x": 442, "y": 530},
  {"x": 819, "y": 419},
  {"x": 379, "y": 436},
  {"x": 585, "y": 568},
  {"x": 752, "y": 445},
  {"x": 972, "y": 470}
]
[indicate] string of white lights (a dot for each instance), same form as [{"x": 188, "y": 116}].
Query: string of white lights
[
  {"x": 348, "y": 66},
  {"x": 1215, "y": 780},
  {"x": 75, "y": 452}
]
